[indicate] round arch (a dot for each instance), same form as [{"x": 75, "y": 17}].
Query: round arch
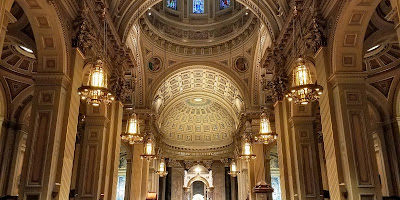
[
  {"x": 131, "y": 12},
  {"x": 198, "y": 178},
  {"x": 349, "y": 32},
  {"x": 239, "y": 83},
  {"x": 49, "y": 33}
]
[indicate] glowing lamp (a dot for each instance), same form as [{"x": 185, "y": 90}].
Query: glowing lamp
[
  {"x": 132, "y": 134},
  {"x": 149, "y": 151},
  {"x": 265, "y": 135},
  {"x": 247, "y": 152},
  {"x": 233, "y": 170},
  {"x": 162, "y": 171},
  {"x": 96, "y": 91},
  {"x": 303, "y": 91}
]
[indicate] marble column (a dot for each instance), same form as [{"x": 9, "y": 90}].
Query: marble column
[
  {"x": 128, "y": 182},
  {"x": 93, "y": 149},
  {"x": 49, "y": 155},
  {"x": 112, "y": 150},
  {"x": 242, "y": 178},
  {"x": 281, "y": 110},
  {"x": 135, "y": 178},
  {"x": 305, "y": 153},
  {"x": 17, "y": 160},
  {"x": 352, "y": 171},
  {"x": 258, "y": 170}
]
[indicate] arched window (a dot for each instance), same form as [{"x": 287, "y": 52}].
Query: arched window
[
  {"x": 224, "y": 4},
  {"x": 198, "y": 6},
  {"x": 171, "y": 4}
]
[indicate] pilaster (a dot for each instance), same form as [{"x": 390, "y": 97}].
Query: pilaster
[
  {"x": 128, "y": 182},
  {"x": 352, "y": 171},
  {"x": 136, "y": 172},
  {"x": 93, "y": 152},
  {"x": 305, "y": 154},
  {"x": 49, "y": 155},
  {"x": 112, "y": 149},
  {"x": 285, "y": 159},
  {"x": 258, "y": 170}
]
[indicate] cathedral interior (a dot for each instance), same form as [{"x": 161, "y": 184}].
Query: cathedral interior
[{"x": 199, "y": 99}]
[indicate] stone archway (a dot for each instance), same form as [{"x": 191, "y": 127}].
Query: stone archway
[
  {"x": 49, "y": 31},
  {"x": 349, "y": 31}
]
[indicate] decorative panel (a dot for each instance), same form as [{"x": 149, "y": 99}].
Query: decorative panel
[
  {"x": 177, "y": 184},
  {"x": 90, "y": 168},
  {"x": 39, "y": 147},
  {"x": 361, "y": 156},
  {"x": 308, "y": 171}
]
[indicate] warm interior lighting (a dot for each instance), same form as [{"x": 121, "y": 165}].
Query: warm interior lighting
[
  {"x": 373, "y": 48},
  {"x": 96, "y": 91},
  {"x": 303, "y": 90},
  {"x": 197, "y": 170},
  {"x": 265, "y": 125},
  {"x": 266, "y": 135},
  {"x": 26, "y": 49},
  {"x": 247, "y": 152},
  {"x": 162, "y": 171},
  {"x": 233, "y": 171},
  {"x": 149, "y": 150},
  {"x": 132, "y": 134},
  {"x": 198, "y": 99}
]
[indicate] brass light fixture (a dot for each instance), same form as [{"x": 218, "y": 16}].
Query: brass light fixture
[
  {"x": 132, "y": 134},
  {"x": 266, "y": 135},
  {"x": 149, "y": 151},
  {"x": 247, "y": 152},
  {"x": 303, "y": 91},
  {"x": 96, "y": 92},
  {"x": 162, "y": 171},
  {"x": 233, "y": 170}
]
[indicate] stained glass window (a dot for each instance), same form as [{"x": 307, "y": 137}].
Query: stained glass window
[
  {"x": 224, "y": 4},
  {"x": 171, "y": 4},
  {"x": 198, "y": 6}
]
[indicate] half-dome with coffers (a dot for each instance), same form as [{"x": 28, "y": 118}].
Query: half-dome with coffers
[{"x": 198, "y": 122}]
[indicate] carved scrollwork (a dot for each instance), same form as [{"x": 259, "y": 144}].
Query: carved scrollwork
[
  {"x": 315, "y": 38},
  {"x": 277, "y": 87}
]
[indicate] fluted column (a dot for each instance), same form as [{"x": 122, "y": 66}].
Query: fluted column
[
  {"x": 135, "y": 178},
  {"x": 49, "y": 155},
  {"x": 352, "y": 171},
  {"x": 258, "y": 170},
  {"x": 128, "y": 182},
  {"x": 242, "y": 178},
  {"x": 283, "y": 142},
  {"x": 112, "y": 150},
  {"x": 93, "y": 150}
]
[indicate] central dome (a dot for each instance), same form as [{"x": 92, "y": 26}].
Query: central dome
[{"x": 198, "y": 122}]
